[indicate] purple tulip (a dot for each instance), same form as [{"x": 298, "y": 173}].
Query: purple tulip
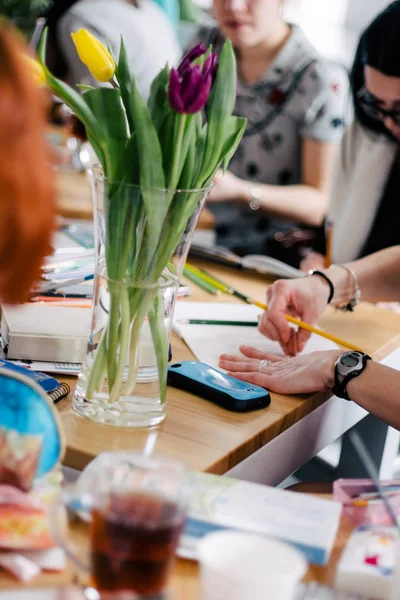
[{"x": 189, "y": 84}]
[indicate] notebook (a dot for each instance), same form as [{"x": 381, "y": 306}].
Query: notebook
[
  {"x": 53, "y": 388},
  {"x": 208, "y": 342}
]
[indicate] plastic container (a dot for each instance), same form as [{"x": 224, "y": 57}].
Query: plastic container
[{"x": 361, "y": 502}]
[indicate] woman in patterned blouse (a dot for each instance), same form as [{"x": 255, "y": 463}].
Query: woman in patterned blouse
[{"x": 296, "y": 104}]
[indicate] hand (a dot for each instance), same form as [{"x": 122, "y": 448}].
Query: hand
[
  {"x": 227, "y": 188},
  {"x": 301, "y": 375},
  {"x": 304, "y": 299},
  {"x": 313, "y": 260}
]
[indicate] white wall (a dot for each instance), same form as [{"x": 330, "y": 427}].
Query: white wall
[
  {"x": 361, "y": 12},
  {"x": 334, "y": 26}
]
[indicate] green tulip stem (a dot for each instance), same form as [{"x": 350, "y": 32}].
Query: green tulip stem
[
  {"x": 176, "y": 164},
  {"x": 160, "y": 338},
  {"x": 98, "y": 369},
  {"x": 144, "y": 306},
  {"x": 115, "y": 389},
  {"x": 112, "y": 333}
]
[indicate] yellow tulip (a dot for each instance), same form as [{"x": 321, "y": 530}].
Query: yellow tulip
[
  {"x": 93, "y": 54},
  {"x": 36, "y": 69}
]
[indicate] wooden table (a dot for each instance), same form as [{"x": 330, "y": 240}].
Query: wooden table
[
  {"x": 74, "y": 200},
  {"x": 276, "y": 440},
  {"x": 185, "y": 584}
]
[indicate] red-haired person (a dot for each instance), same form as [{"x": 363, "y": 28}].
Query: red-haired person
[{"x": 27, "y": 201}]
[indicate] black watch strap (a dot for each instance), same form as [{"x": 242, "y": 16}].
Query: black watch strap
[{"x": 340, "y": 388}]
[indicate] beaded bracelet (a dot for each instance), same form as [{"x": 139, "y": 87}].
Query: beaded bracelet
[{"x": 350, "y": 306}]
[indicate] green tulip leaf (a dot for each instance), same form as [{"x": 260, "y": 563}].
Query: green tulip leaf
[
  {"x": 234, "y": 130},
  {"x": 84, "y": 87},
  {"x": 75, "y": 102},
  {"x": 220, "y": 106},
  {"x": 106, "y": 104},
  {"x": 165, "y": 135},
  {"x": 158, "y": 101},
  {"x": 123, "y": 76},
  {"x": 150, "y": 167}
]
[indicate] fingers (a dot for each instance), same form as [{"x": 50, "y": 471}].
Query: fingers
[
  {"x": 309, "y": 315},
  {"x": 260, "y": 379},
  {"x": 268, "y": 328},
  {"x": 251, "y": 352},
  {"x": 274, "y": 322},
  {"x": 238, "y": 366},
  {"x": 291, "y": 348},
  {"x": 302, "y": 338}
]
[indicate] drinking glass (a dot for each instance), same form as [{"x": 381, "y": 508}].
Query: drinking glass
[{"x": 121, "y": 522}]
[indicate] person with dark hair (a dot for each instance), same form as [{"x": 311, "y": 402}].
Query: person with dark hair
[
  {"x": 296, "y": 106},
  {"x": 374, "y": 182},
  {"x": 149, "y": 37},
  {"x": 366, "y": 187}
]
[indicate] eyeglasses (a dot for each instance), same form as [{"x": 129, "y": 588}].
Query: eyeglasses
[{"x": 372, "y": 108}]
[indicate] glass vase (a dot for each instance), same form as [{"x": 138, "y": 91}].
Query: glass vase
[{"x": 142, "y": 238}]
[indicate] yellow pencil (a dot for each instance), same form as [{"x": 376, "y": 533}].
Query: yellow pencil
[
  {"x": 229, "y": 290},
  {"x": 312, "y": 329}
]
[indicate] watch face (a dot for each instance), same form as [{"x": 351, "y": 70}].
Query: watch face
[{"x": 349, "y": 361}]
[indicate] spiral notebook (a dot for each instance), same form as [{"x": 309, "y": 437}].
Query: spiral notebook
[{"x": 53, "y": 388}]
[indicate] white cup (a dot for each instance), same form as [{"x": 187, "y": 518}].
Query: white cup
[{"x": 240, "y": 566}]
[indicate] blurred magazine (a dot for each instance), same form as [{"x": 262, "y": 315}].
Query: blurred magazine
[
  {"x": 217, "y": 503},
  {"x": 252, "y": 262}
]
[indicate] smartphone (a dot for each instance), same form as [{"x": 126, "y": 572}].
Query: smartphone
[{"x": 214, "y": 385}]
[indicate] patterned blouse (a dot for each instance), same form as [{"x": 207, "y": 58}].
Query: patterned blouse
[{"x": 301, "y": 96}]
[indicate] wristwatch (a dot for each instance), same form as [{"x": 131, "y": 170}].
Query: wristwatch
[{"x": 347, "y": 367}]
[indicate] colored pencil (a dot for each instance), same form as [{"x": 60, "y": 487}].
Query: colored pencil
[
  {"x": 221, "y": 285},
  {"x": 217, "y": 322},
  {"x": 328, "y": 236},
  {"x": 200, "y": 282},
  {"x": 302, "y": 324}
]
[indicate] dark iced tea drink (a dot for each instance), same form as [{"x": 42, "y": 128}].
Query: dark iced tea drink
[{"x": 133, "y": 543}]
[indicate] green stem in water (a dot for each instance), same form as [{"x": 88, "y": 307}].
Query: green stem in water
[
  {"x": 160, "y": 341},
  {"x": 97, "y": 370},
  {"x": 144, "y": 306},
  {"x": 112, "y": 333},
  {"x": 123, "y": 346}
]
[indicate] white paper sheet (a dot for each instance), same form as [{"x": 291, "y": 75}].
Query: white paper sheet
[{"x": 208, "y": 342}]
